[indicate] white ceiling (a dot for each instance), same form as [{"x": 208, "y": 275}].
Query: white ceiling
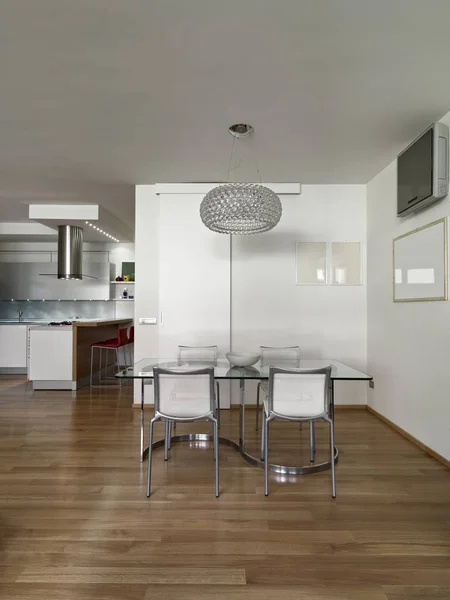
[{"x": 98, "y": 96}]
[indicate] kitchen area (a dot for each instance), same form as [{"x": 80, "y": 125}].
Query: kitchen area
[{"x": 57, "y": 298}]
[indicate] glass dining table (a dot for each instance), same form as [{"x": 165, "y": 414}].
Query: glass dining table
[{"x": 143, "y": 370}]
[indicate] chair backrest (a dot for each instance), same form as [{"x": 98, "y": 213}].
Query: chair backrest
[
  {"x": 122, "y": 336},
  {"x": 184, "y": 394},
  {"x": 131, "y": 335},
  {"x": 201, "y": 354},
  {"x": 299, "y": 393},
  {"x": 286, "y": 355}
]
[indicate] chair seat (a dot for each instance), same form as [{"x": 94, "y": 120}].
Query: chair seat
[
  {"x": 113, "y": 343},
  {"x": 104, "y": 342}
]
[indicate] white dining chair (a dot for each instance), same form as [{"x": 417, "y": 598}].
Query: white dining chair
[
  {"x": 301, "y": 396},
  {"x": 203, "y": 355},
  {"x": 286, "y": 356},
  {"x": 185, "y": 396}
]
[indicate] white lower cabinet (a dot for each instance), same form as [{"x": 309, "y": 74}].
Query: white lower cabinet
[
  {"x": 51, "y": 357},
  {"x": 13, "y": 348}
]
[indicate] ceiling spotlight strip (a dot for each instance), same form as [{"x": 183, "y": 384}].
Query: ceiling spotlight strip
[
  {"x": 240, "y": 208},
  {"x": 101, "y": 231}
]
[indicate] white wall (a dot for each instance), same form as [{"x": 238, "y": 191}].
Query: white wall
[
  {"x": 270, "y": 309},
  {"x": 146, "y": 302},
  {"x": 408, "y": 343},
  {"x": 267, "y": 305}
]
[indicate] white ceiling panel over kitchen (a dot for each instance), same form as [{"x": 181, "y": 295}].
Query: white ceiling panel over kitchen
[
  {"x": 112, "y": 93},
  {"x": 98, "y": 224}
]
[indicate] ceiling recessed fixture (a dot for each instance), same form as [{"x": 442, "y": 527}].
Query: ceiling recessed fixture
[{"x": 240, "y": 208}]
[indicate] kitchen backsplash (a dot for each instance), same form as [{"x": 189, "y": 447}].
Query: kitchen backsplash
[{"x": 54, "y": 310}]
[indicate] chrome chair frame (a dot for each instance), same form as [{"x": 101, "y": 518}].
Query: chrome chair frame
[
  {"x": 275, "y": 349},
  {"x": 327, "y": 416},
  {"x": 215, "y": 351},
  {"x": 169, "y": 419},
  {"x": 116, "y": 366}
]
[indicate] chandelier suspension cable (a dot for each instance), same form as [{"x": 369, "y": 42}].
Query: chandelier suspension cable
[
  {"x": 255, "y": 156},
  {"x": 231, "y": 158}
]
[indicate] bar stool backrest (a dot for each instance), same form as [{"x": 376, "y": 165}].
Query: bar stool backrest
[{"x": 122, "y": 336}]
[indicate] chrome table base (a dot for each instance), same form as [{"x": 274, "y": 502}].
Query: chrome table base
[
  {"x": 285, "y": 470},
  {"x": 240, "y": 447}
]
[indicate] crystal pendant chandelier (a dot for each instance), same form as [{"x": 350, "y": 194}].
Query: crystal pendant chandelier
[{"x": 240, "y": 208}]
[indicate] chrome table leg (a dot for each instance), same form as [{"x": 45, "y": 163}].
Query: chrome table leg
[{"x": 242, "y": 415}]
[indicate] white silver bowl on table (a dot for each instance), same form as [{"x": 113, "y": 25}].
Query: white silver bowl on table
[{"x": 242, "y": 359}]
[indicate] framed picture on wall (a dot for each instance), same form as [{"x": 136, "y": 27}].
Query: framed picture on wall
[
  {"x": 346, "y": 263},
  {"x": 311, "y": 263},
  {"x": 420, "y": 264}
]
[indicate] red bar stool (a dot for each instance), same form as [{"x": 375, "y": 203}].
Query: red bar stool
[
  {"x": 113, "y": 344},
  {"x": 130, "y": 346}
]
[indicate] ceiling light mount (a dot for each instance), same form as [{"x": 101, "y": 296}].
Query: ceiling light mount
[{"x": 241, "y": 130}]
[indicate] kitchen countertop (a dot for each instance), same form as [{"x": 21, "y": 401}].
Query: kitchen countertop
[
  {"x": 51, "y": 327},
  {"x": 86, "y": 323},
  {"x": 79, "y": 323},
  {"x": 100, "y": 322},
  {"x": 43, "y": 322}
]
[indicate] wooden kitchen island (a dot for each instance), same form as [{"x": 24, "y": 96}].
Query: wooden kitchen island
[{"x": 60, "y": 356}]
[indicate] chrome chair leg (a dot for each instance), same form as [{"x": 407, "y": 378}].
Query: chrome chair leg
[
  {"x": 150, "y": 444},
  {"x": 218, "y": 404},
  {"x": 106, "y": 363},
  {"x": 257, "y": 404},
  {"x": 312, "y": 441},
  {"x": 216, "y": 456},
  {"x": 169, "y": 442},
  {"x": 118, "y": 366},
  {"x": 266, "y": 455},
  {"x": 333, "y": 470},
  {"x": 92, "y": 366},
  {"x": 166, "y": 440},
  {"x": 262, "y": 435}
]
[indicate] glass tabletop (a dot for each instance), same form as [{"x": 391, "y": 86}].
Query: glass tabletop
[{"x": 143, "y": 369}]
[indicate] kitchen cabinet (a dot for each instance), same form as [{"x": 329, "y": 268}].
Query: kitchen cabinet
[
  {"x": 51, "y": 357},
  {"x": 13, "y": 348}
]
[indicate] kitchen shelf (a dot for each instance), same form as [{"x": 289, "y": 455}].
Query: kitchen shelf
[{"x": 122, "y": 282}]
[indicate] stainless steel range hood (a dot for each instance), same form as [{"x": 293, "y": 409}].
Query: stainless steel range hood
[{"x": 70, "y": 252}]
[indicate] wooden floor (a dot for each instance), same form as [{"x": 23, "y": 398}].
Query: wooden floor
[{"x": 76, "y": 523}]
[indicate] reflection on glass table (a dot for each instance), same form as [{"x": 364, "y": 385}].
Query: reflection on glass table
[{"x": 143, "y": 370}]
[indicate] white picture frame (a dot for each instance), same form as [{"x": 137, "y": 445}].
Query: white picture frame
[
  {"x": 420, "y": 264},
  {"x": 346, "y": 264},
  {"x": 311, "y": 263}
]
